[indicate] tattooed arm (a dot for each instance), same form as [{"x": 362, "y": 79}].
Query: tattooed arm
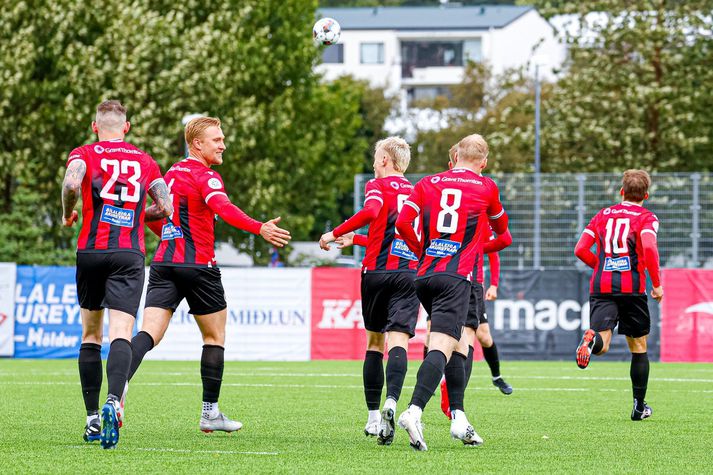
[
  {"x": 162, "y": 205},
  {"x": 71, "y": 189}
]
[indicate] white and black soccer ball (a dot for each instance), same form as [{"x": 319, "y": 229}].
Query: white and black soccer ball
[{"x": 326, "y": 31}]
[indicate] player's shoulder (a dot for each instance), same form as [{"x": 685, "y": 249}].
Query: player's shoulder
[{"x": 395, "y": 184}]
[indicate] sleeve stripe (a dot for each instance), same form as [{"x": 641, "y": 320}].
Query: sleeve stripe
[
  {"x": 157, "y": 180},
  {"x": 590, "y": 232},
  {"x": 76, "y": 157},
  {"x": 413, "y": 205},
  {"x": 649, "y": 231},
  {"x": 502, "y": 212},
  {"x": 374, "y": 198},
  {"x": 211, "y": 195},
  {"x": 373, "y": 191}
]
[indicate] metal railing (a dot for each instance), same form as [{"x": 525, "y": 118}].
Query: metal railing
[{"x": 683, "y": 203}]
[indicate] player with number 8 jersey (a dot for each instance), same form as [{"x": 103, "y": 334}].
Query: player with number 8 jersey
[{"x": 454, "y": 209}]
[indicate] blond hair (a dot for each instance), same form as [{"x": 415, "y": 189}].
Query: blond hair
[
  {"x": 452, "y": 154},
  {"x": 399, "y": 151},
  {"x": 473, "y": 148},
  {"x": 195, "y": 128},
  {"x": 635, "y": 184},
  {"x": 111, "y": 115}
]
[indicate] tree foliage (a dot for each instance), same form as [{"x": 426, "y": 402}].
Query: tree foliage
[{"x": 293, "y": 141}]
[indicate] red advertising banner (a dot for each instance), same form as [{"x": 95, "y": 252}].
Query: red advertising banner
[
  {"x": 337, "y": 325},
  {"x": 687, "y": 315}
]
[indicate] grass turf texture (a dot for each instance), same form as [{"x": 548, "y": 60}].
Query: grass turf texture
[{"x": 309, "y": 418}]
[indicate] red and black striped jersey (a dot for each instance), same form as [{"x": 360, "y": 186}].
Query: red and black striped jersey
[
  {"x": 114, "y": 189},
  {"x": 617, "y": 232},
  {"x": 454, "y": 208},
  {"x": 188, "y": 235},
  {"x": 385, "y": 250}
]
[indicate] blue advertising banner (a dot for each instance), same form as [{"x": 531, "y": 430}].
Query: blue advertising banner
[{"x": 47, "y": 317}]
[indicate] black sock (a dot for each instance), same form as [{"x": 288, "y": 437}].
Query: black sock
[
  {"x": 212, "y": 364},
  {"x": 90, "y": 375},
  {"x": 425, "y": 351},
  {"x": 639, "y": 377},
  {"x": 141, "y": 344},
  {"x": 491, "y": 357},
  {"x": 396, "y": 368},
  {"x": 117, "y": 366},
  {"x": 469, "y": 365},
  {"x": 373, "y": 373},
  {"x": 455, "y": 380},
  {"x": 428, "y": 377},
  {"x": 598, "y": 344}
]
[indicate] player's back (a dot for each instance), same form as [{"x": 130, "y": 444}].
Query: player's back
[
  {"x": 385, "y": 250},
  {"x": 188, "y": 235},
  {"x": 454, "y": 213},
  {"x": 617, "y": 231},
  {"x": 114, "y": 188}
]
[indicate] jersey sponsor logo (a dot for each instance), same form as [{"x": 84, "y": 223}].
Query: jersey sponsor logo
[
  {"x": 170, "y": 231},
  {"x": 400, "y": 249},
  {"x": 215, "y": 184},
  {"x": 442, "y": 248},
  {"x": 608, "y": 211},
  {"x": 461, "y": 180},
  {"x": 435, "y": 179},
  {"x": 117, "y": 216},
  {"x": 98, "y": 149},
  {"x": 394, "y": 185},
  {"x": 617, "y": 264},
  {"x": 123, "y": 150},
  {"x": 181, "y": 169}
]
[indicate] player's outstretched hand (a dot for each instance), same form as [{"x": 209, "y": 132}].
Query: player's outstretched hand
[
  {"x": 345, "y": 240},
  {"x": 325, "y": 240},
  {"x": 273, "y": 234},
  {"x": 71, "y": 220},
  {"x": 657, "y": 293},
  {"x": 492, "y": 293}
]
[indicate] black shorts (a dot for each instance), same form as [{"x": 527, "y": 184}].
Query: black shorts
[
  {"x": 200, "y": 286},
  {"x": 446, "y": 299},
  {"x": 631, "y": 312},
  {"x": 113, "y": 280},
  {"x": 476, "y": 308},
  {"x": 389, "y": 302}
]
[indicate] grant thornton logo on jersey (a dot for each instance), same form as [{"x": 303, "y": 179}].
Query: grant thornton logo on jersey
[{"x": 98, "y": 149}]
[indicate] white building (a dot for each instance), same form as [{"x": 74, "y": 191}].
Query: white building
[{"x": 420, "y": 51}]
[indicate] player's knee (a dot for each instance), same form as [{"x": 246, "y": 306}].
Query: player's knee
[
  {"x": 485, "y": 339},
  {"x": 637, "y": 345},
  {"x": 374, "y": 341}
]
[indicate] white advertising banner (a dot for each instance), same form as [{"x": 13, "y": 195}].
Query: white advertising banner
[
  {"x": 268, "y": 319},
  {"x": 8, "y": 275}
]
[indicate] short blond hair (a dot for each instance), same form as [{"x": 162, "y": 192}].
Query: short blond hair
[
  {"x": 473, "y": 148},
  {"x": 635, "y": 184},
  {"x": 399, "y": 151},
  {"x": 111, "y": 115},
  {"x": 452, "y": 154},
  {"x": 195, "y": 128}
]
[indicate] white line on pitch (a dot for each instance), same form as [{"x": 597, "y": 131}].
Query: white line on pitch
[
  {"x": 183, "y": 451},
  {"x": 333, "y": 386}
]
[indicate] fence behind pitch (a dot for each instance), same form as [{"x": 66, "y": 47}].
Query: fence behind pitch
[{"x": 683, "y": 203}]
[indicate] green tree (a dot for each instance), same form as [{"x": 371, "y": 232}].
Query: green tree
[
  {"x": 293, "y": 142},
  {"x": 632, "y": 91}
]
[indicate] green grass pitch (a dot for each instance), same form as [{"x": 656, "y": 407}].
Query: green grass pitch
[{"x": 309, "y": 418}]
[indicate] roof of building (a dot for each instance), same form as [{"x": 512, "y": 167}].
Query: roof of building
[{"x": 426, "y": 18}]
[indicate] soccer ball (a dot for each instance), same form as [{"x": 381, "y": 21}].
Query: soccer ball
[{"x": 326, "y": 31}]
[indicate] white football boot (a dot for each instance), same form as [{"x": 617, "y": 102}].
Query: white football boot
[
  {"x": 219, "y": 423},
  {"x": 463, "y": 431},
  {"x": 410, "y": 420}
]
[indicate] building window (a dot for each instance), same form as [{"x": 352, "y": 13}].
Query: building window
[
  {"x": 424, "y": 54},
  {"x": 372, "y": 53},
  {"x": 416, "y": 96},
  {"x": 472, "y": 50},
  {"x": 333, "y": 54}
]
